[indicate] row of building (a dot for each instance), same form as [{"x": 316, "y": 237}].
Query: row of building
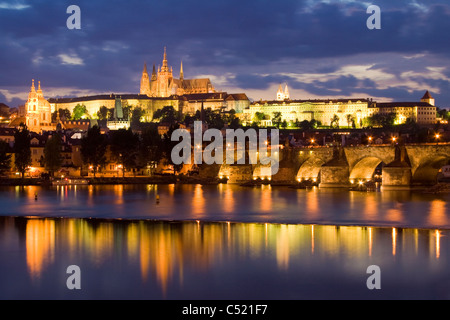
[{"x": 187, "y": 96}]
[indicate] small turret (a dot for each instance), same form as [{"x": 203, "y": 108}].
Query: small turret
[{"x": 427, "y": 98}]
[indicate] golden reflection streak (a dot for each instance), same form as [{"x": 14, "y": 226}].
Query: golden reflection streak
[
  {"x": 282, "y": 248},
  {"x": 312, "y": 201},
  {"x": 438, "y": 243},
  {"x": 118, "y": 194},
  {"x": 198, "y": 203},
  {"x": 394, "y": 241},
  {"x": 436, "y": 213},
  {"x": 161, "y": 249},
  {"x": 40, "y": 245},
  {"x": 228, "y": 200},
  {"x": 266, "y": 198}
]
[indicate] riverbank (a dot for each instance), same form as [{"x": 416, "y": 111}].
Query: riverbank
[
  {"x": 442, "y": 187},
  {"x": 167, "y": 179},
  {"x": 182, "y": 179}
]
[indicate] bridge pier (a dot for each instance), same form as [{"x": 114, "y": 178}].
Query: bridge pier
[
  {"x": 397, "y": 174},
  {"x": 335, "y": 173},
  {"x": 396, "y": 178},
  {"x": 334, "y": 177}
]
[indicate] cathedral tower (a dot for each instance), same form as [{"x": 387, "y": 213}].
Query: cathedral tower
[
  {"x": 145, "y": 82},
  {"x": 165, "y": 78}
]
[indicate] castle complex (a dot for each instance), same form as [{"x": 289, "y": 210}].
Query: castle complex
[{"x": 187, "y": 96}]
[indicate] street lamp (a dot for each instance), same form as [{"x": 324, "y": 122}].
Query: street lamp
[
  {"x": 437, "y": 136},
  {"x": 394, "y": 139}
]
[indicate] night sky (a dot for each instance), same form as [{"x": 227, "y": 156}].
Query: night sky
[{"x": 321, "y": 49}]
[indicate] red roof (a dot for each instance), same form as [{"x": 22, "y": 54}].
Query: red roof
[{"x": 427, "y": 95}]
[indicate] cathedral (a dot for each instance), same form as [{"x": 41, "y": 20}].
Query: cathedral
[{"x": 162, "y": 84}]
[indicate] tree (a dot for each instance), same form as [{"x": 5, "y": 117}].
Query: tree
[
  {"x": 136, "y": 115},
  {"x": 80, "y": 112},
  {"x": 388, "y": 120},
  {"x": 212, "y": 118},
  {"x": 126, "y": 112},
  {"x": 93, "y": 148},
  {"x": 276, "y": 120},
  {"x": 306, "y": 125},
  {"x": 166, "y": 114},
  {"x": 150, "y": 148},
  {"x": 103, "y": 113},
  {"x": 5, "y": 157},
  {"x": 231, "y": 119},
  {"x": 52, "y": 154},
  {"x": 168, "y": 145},
  {"x": 22, "y": 149},
  {"x": 351, "y": 120},
  {"x": 258, "y": 117},
  {"x": 64, "y": 114},
  {"x": 334, "y": 122},
  {"x": 124, "y": 146},
  {"x": 189, "y": 119},
  {"x": 284, "y": 124},
  {"x": 442, "y": 113}
]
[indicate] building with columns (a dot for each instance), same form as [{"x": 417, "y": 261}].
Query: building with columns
[{"x": 422, "y": 112}]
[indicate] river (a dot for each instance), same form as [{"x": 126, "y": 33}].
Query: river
[{"x": 222, "y": 242}]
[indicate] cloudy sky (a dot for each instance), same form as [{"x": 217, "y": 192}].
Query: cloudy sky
[{"x": 321, "y": 49}]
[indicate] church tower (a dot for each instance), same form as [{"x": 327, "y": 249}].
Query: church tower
[
  {"x": 286, "y": 93},
  {"x": 427, "y": 98},
  {"x": 280, "y": 94},
  {"x": 283, "y": 94},
  {"x": 32, "y": 109},
  {"x": 38, "y": 111},
  {"x": 145, "y": 82}
]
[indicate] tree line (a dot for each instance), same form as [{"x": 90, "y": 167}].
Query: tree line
[{"x": 132, "y": 151}]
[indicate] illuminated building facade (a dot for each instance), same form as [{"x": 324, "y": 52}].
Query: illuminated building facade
[
  {"x": 349, "y": 111},
  {"x": 38, "y": 115},
  {"x": 162, "y": 84}
]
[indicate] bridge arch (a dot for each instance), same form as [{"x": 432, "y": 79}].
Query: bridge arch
[
  {"x": 364, "y": 169},
  {"x": 427, "y": 171},
  {"x": 310, "y": 169}
]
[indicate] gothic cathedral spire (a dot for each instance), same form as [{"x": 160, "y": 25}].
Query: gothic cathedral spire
[
  {"x": 181, "y": 71},
  {"x": 145, "y": 81}
]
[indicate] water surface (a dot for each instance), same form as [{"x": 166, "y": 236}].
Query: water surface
[{"x": 222, "y": 242}]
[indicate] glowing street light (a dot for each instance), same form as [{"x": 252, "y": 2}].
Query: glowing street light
[{"x": 437, "y": 136}]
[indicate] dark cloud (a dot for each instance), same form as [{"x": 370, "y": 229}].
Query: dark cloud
[{"x": 246, "y": 38}]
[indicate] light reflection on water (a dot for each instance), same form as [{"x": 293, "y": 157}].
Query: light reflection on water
[
  {"x": 208, "y": 260},
  {"x": 233, "y": 243},
  {"x": 231, "y": 203}
]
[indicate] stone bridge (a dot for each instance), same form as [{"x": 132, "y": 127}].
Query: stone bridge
[{"x": 403, "y": 166}]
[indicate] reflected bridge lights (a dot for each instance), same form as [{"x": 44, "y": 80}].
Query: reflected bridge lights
[{"x": 307, "y": 181}]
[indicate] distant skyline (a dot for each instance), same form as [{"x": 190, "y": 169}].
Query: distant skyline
[{"x": 321, "y": 49}]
